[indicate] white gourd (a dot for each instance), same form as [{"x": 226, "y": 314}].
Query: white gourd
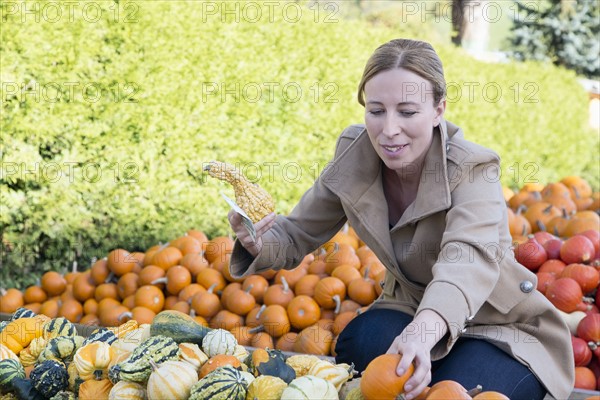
[
  {"x": 124, "y": 390},
  {"x": 219, "y": 341},
  {"x": 241, "y": 353},
  {"x": 309, "y": 387},
  {"x": 171, "y": 380},
  {"x": 248, "y": 377}
]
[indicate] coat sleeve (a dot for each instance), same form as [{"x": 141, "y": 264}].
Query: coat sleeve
[
  {"x": 314, "y": 220},
  {"x": 468, "y": 265}
]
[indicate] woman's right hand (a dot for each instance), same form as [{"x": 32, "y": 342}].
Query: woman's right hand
[{"x": 252, "y": 246}]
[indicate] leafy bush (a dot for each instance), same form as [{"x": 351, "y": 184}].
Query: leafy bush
[{"x": 105, "y": 122}]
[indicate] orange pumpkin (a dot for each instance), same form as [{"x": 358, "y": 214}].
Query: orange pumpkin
[
  {"x": 330, "y": 292},
  {"x": 217, "y": 361},
  {"x": 120, "y": 262},
  {"x": 99, "y": 271},
  {"x": 11, "y": 300},
  {"x": 303, "y": 311},
  {"x": 279, "y": 294},
  {"x": 256, "y": 286},
  {"x": 53, "y": 283},
  {"x": 448, "y": 390},
  {"x": 150, "y": 297},
  {"x": 380, "y": 381},
  {"x": 34, "y": 294}
]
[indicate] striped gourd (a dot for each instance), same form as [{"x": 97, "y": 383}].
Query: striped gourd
[
  {"x": 59, "y": 327},
  {"x": 101, "y": 335},
  {"x": 30, "y": 354},
  {"x": 337, "y": 374},
  {"x": 191, "y": 353},
  {"x": 6, "y": 353},
  {"x": 125, "y": 328},
  {"x": 61, "y": 348},
  {"x": 22, "y": 312},
  {"x": 92, "y": 360},
  {"x": 49, "y": 377},
  {"x": 310, "y": 387},
  {"x": 9, "y": 370},
  {"x": 224, "y": 383},
  {"x": 171, "y": 380},
  {"x": 124, "y": 390},
  {"x": 136, "y": 367}
]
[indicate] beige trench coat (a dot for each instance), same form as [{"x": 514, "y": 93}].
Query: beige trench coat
[{"x": 449, "y": 252}]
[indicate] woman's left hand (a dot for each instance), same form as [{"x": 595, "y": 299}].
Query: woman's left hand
[
  {"x": 415, "y": 351},
  {"x": 415, "y": 344}
]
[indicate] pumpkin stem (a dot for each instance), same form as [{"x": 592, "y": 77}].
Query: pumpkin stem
[
  {"x": 212, "y": 287},
  {"x": 159, "y": 280},
  {"x": 540, "y": 225},
  {"x": 249, "y": 288},
  {"x": 338, "y": 303},
  {"x": 74, "y": 267},
  {"x": 260, "y": 311},
  {"x": 111, "y": 278},
  {"x": 256, "y": 329},
  {"x": 153, "y": 364},
  {"x": 520, "y": 209},
  {"x": 98, "y": 374},
  {"x": 126, "y": 314},
  {"x": 476, "y": 390},
  {"x": 366, "y": 275},
  {"x": 345, "y": 228},
  {"x": 286, "y": 287}
]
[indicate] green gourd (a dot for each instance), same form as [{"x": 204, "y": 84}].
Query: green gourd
[
  {"x": 224, "y": 383},
  {"x": 101, "y": 335},
  {"x": 22, "y": 312},
  {"x": 179, "y": 326},
  {"x": 49, "y": 377},
  {"x": 61, "y": 348},
  {"x": 136, "y": 367},
  {"x": 9, "y": 370},
  {"x": 59, "y": 327}
]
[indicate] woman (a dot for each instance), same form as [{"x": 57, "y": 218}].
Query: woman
[{"x": 429, "y": 203}]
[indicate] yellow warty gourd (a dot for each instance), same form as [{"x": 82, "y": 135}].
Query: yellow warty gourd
[{"x": 254, "y": 200}]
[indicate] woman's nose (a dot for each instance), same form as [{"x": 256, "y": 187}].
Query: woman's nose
[{"x": 392, "y": 126}]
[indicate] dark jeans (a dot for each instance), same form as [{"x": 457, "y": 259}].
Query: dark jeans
[{"x": 471, "y": 362}]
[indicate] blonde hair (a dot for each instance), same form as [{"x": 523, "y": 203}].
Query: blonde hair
[{"x": 413, "y": 55}]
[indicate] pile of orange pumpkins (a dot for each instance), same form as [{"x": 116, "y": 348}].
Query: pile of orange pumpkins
[{"x": 556, "y": 233}]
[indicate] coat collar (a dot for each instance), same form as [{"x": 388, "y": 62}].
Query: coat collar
[{"x": 355, "y": 177}]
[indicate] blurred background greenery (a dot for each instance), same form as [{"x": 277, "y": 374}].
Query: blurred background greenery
[{"x": 109, "y": 110}]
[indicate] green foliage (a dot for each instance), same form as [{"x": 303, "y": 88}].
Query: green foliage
[
  {"x": 105, "y": 121},
  {"x": 565, "y": 32}
]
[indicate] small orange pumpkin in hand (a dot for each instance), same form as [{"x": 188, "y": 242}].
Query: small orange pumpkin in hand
[{"x": 380, "y": 381}]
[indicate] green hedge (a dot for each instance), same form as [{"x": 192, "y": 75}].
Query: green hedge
[{"x": 105, "y": 121}]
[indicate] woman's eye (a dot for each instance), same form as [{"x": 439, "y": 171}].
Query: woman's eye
[
  {"x": 375, "y": 112},
  {"x": 407, "y": 113}
]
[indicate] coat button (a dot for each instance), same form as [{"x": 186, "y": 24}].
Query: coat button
[{"x": 526, "y": 286}]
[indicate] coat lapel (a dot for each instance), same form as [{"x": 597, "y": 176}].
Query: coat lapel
[
  {"x": 355, "y": 176},
  {"x": 433, "y": 194}
]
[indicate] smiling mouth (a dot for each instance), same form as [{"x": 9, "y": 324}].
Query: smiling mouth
[{"x": 394, "y": 148}]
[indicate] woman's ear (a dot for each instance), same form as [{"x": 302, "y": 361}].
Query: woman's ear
[{"x": 439, "y": 112}]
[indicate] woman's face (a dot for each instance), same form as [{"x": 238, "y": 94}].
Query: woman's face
[{"x": 400, "y": 116}]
